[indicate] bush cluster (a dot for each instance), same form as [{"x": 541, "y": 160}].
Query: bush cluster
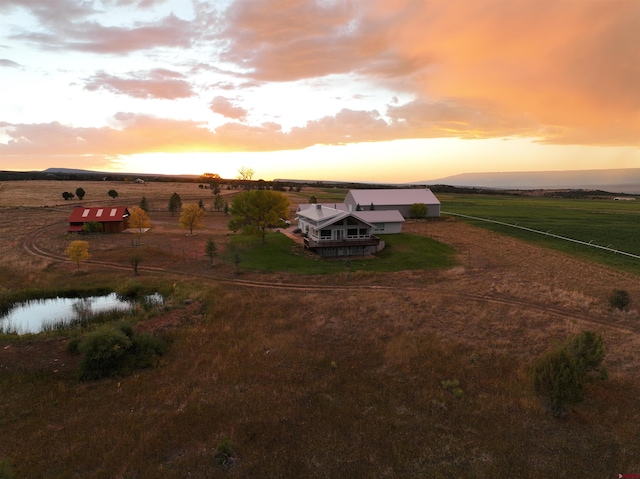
[
  {"x": 116, "y": 349},
  {"x": 559, "y": 375},
  {"x": 620, "y": 299}
]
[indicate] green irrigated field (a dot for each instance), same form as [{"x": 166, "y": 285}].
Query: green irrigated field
[{"x": 603, "y": 222}]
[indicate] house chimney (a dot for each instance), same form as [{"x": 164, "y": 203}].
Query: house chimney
[{"x": 318, "y": 206}]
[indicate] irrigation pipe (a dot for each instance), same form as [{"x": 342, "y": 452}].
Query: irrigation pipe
[{"x": 546, "y": 233}]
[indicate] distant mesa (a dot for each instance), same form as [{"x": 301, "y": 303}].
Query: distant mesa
[
  {"x": 625, "y": 180},
  {"x": 69, "y": 171}
]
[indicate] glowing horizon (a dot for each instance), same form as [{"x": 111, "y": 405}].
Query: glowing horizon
[{"x": 354, "y": 91}]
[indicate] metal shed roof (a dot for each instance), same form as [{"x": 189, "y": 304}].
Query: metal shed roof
[
  {"x": 407, "y": 196},
  {"x": 101, "y": 214}
]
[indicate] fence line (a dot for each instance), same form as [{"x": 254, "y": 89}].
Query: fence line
[{"x": 546, "y": 233}]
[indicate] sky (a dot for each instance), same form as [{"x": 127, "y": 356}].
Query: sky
[{"x": 347, "y": 90}]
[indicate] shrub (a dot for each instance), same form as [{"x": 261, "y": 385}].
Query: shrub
[
  {"x": 105, "y": 353},
  {"x": 116, "y": 349},
  {"x": 558, "y": 376},
  {"x": 587, "y": 350},
  {"x": 556, "y": 380},
  {"x": 131, "y": 291},
  {"x": 418, "y": 210},
  {"x": 620, "y": 299},
  {"x": 92, "y": 227},
  {"x": 146, "y": 349}
]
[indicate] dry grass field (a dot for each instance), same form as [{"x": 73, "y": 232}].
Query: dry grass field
[{"x": 328, "y": 376}]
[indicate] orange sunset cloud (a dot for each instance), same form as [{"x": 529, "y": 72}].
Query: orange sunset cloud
[{"x": 94, "y": 86}]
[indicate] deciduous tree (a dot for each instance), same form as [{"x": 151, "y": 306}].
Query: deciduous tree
[
  {"x": 418, "y": 210},
  {"x": 143, "y": 204},
  {"x": 113, "y": 193},
  {"x": 78, "y": 251},
  {"x": 138, "y": 220},
  {"x": 135, "y": 261},
  {"x": 245, "y": 175},
  {"x": 192, "y": 217},
  {"x": 80, "y": 193},
  {"x": 92, "y": 227},
  {"x": 255, "y": 211}
]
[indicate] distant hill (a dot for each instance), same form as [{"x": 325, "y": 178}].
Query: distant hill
[
  {"x": 73, "y": 171},
  {"x": 625, "y": 180}
]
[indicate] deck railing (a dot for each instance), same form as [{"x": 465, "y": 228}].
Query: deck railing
[{"x": 346, "y": 243}]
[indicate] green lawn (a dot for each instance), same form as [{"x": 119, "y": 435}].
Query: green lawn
[
  {"x": 614, "y": 224},
  {"x": 280, "y": 253}
]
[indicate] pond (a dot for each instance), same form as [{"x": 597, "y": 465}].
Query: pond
[{"x": 38, "y": 315}]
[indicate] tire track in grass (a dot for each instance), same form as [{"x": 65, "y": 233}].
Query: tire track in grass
[{"x": 30, "y": 245}]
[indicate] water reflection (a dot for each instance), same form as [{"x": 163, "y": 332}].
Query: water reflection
[{"x": 33, "y": 316}]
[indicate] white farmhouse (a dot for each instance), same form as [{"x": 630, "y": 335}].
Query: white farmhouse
[{"x": 331, "y": 231}]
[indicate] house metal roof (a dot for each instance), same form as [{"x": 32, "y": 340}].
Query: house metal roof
[
  {"x": 380, "y": 216},
  {"x": 335, "y": 206},
  {"x": 407, "y": 196},
  {"x": 101, "y": 214},
  {"x": 327, "y": 215}
]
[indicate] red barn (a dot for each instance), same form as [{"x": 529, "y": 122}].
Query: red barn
[{"x": 113, "y": 219}]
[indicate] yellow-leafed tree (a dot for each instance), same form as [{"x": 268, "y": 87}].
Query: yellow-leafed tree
[
  {"x": 78, "y": 251},
  {"x": 192, "y": 217},
  {"x": 138, "y": 220}
]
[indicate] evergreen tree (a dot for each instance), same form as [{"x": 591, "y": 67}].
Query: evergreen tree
[
  {"x": 558, "y": 376},
  {"x": 175, "y": 203},
  {"x": 210, "y": 249},
  {"x": 218, "y": 202}
]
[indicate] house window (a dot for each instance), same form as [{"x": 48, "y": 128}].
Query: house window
[
  {"x": 363, "y": 232},
  {"x": 352, "y": 233},
  {"x": 351, "y": 221},
  {"x": 325, "y": 234}
]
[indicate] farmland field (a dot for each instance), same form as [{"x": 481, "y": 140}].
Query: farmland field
[
  {"x": 321, "y": 375},
  {"x": 604, "y": 222}
]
